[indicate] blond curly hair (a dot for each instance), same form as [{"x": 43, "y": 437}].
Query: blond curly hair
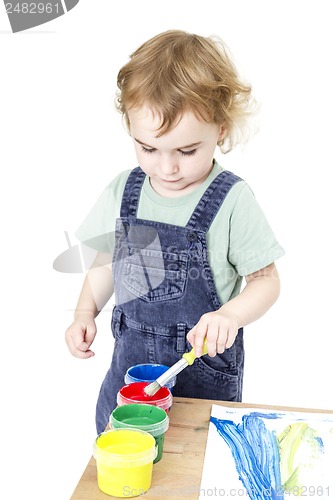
[{"x": 177, "y": 71}]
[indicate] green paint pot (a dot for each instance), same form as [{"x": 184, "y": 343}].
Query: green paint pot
[{"x": 148, "y": 418}]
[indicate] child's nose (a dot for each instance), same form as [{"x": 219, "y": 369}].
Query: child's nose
[{"x": 168, "y": 165}]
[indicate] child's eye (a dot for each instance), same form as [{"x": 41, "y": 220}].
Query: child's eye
[
  {"x": 188, "y": 153},
  {"x": 147, "y": 150}
]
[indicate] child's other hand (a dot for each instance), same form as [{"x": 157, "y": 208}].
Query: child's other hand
[
  {"x": 80, "y": 335},
  {"x": 220, "y": 330}
]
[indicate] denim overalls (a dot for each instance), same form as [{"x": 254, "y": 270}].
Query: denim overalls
[{"x": 163, "y": 285}]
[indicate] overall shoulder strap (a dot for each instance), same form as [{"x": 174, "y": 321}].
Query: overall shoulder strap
[
  {"x": 212, "y": 200},
  {"x": 131, "y": 194}
]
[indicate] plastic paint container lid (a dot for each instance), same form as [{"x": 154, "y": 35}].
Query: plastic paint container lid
[
  {"x": 149, "y": 418},
  {"x": 124, "y": 448},
  {"x": 134, "y": 393},
  {"x": 147, "y": 373}
]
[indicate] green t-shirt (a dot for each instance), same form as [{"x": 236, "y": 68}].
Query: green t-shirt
[{"x": 240, "y": 241}]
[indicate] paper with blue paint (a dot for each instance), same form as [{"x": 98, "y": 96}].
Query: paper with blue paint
[{"x": 268, "y": 455}]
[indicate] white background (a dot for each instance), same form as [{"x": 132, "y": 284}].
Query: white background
[{"x": 62, "y": 142}]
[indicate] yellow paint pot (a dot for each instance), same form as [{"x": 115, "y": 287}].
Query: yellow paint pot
[{"x": 124, "y": 460}]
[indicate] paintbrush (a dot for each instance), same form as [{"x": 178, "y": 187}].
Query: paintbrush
[{"x": 186, "y": 360}]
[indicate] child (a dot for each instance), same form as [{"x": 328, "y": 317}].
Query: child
[{"x": 186, "y": 230}]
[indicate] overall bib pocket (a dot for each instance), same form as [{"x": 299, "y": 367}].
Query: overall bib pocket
[{"x": 154, "y": 275}]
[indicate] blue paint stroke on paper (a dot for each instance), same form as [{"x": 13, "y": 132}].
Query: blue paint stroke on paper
[
  {"x": 320, "y": 442},
  {"x": 256, "y": 454}
]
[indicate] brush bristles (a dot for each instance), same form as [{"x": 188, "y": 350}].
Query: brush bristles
[{"x": 152, "y": 388}]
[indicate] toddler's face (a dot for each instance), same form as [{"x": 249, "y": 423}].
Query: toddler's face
[{"x": 181, "y": 159}]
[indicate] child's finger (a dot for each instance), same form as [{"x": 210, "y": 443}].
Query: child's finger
[
  {"x": 232, "y": 334},
  {"x": 83, "y": 354},
  {"x": 82, "y": 351},
  {"x": 222, "y": 342},
  {"x": 79, "y": 348},
  {"x": 212, "y": 337},
  {"x": 199, "y": 338},
  {"x": 90, "y": 334},
  {"x": 74, "y": 350},
  {"x": 191, "y": 336}
]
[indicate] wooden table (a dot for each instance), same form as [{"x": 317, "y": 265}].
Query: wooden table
[{"x": 178, "y": 473}]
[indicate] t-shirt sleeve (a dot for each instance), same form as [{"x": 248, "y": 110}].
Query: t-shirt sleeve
[
  {"x": 98, "y": 228},
  {"x": 253, "y": 244}
]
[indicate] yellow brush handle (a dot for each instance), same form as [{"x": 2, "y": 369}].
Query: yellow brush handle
[{"x": 190, "y": 356}]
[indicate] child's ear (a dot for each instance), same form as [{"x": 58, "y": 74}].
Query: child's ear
[{"x": 222, "y": 133}]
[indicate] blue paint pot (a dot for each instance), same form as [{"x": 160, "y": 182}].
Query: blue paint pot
[{"x": 148, "y": 373}]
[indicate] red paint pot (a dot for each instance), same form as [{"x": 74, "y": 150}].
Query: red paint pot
[{"x": 134, "y": 393}]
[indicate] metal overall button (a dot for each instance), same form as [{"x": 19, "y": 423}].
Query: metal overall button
[{"x": 192, "y": 236}]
